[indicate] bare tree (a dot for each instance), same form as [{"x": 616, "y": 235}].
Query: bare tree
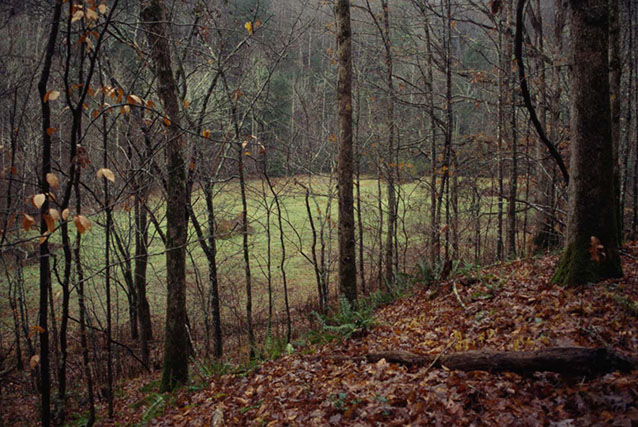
[
  {"x": 176, "y": 343},
  {"x": 347, "y": 266}
]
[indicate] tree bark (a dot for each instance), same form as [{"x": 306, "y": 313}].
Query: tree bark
[
  {"x": 591, "y": 252},
  {"x": 175, "y": 369},
  {"x": 45, "y": 270},
  {"x": 615, "y": 72},
  {"x": 347, "y": 266},
  {"x": 563, "y": 360}
]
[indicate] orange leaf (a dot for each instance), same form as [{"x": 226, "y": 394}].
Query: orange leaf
[
  {"x": 65, "y": 214},
  {"x": 82, "y": 223},
  {"x": 44, "y": 238},
  {"x": 28, "y": 221},
  {"x": 134, "y": 100},
  {"x": 206, "y": 133},
  {"x": 37, "y": 328},
  {"x": 596, "y": 250},
  {"x": 50, "y": 222},
  {"x": 166, "y": 121},
  {"x": 50, "y": 131}
]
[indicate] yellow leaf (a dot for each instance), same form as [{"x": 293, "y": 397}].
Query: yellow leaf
[
  {"x": 91, "y": 14},
  {"x": 79, "y": 14},
  {"x": 249, "y": 27},
  {"x": 65, "y": 214},
  {"x": 134, "y": 100},
  {"x": 50, "y": 131},
  {"x": 52, "y": 179},
  {"x": 51, "y": 95},
  {"x": 102, "y": 9},
  {"x": 54, "y": 214},
  {"x": 81, "y": 223},
  {"x": 28, "y": 222},
  {"x": 125, "y": 109},
  {"x": 206, "y": 133},
  {"x": 106, "y": 173},
  {"x": 38, "y": 200},
  {"x": 34, "y": 362}
]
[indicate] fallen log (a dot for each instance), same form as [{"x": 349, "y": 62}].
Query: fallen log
[{"x": 563, "y": 360}]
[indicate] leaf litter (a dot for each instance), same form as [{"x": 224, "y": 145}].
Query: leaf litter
[
  {"x": 505, "y": 307},
  {"x": 510, "y": 307}
]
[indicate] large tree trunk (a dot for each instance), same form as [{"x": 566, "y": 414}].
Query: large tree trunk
[
  {"x": 591, "y": 252},
  {"x": 175, "y": 369},
  {"x": 564, "y": 360},
  {"x": 615, "y": 71},
  {"x": 347, "y": 266}
]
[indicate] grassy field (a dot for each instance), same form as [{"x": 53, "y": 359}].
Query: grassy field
[{"x": 413, "y": 211}]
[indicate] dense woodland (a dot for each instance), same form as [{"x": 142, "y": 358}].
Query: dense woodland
[{"x": 190, "y": 185}]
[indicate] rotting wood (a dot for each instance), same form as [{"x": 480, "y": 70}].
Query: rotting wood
[{"x": 563, "y": 360}]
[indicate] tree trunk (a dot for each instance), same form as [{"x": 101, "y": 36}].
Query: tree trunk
[
  {"x": 175, "y": 369},
  {"x": 45, "y": 271},
  {"x": 141, "y": 262},
  {"x": 390, "y": 157},
  {"x": 347, "y": 266},
  {"x": 591, "y": 252},
  {"x": 615, "y": 72}
]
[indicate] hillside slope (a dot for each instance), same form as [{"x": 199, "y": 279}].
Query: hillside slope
[{"x": 511, "y": 307}]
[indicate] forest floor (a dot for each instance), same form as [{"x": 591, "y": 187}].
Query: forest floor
[{"x": 511, "y": 307}]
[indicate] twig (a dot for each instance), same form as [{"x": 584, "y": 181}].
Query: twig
[
  {"x": 127, "y": 348},
  {"x": 458, "y": 297},
  {"x": 438, "y": 356}
]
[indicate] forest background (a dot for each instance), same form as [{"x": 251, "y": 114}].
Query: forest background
[{"x": 449, "y": 170}]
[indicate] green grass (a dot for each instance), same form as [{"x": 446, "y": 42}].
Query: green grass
[{"x": 414, "y": 213}]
